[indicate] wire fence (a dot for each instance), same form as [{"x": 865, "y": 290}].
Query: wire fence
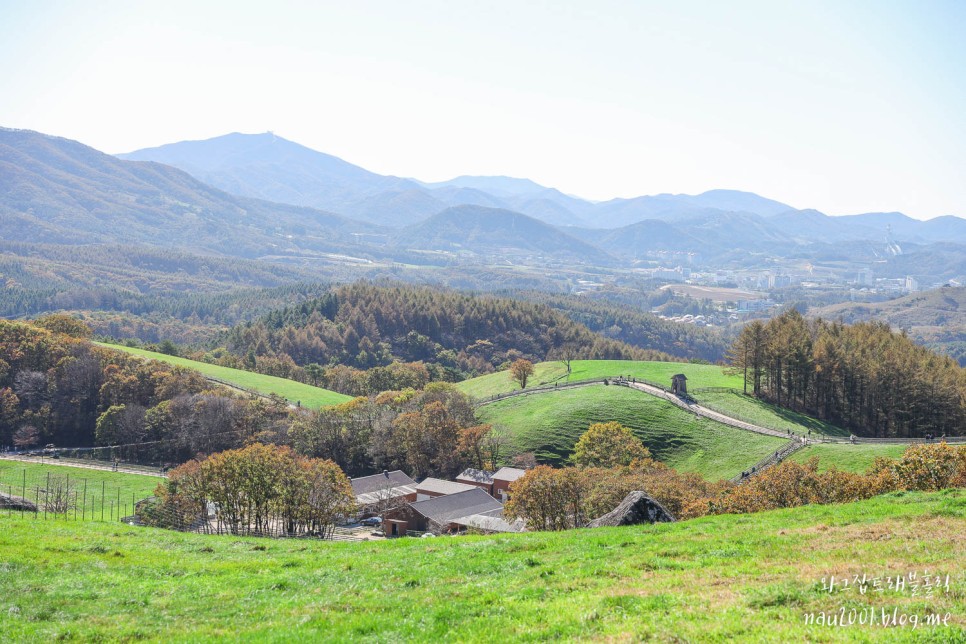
[
  {"x": 54, "y": 492},
  {"x": 61, "y": 493}
]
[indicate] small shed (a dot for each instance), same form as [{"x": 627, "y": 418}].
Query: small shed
[{"x": 679, "y": 384}]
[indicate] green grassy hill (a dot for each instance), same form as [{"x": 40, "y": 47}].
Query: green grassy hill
[
  {"x": 728, "y": 578},
  {"x": 844, "y": 456},
  {"x": 758, "y": 412},
  {"x": 699, "y": 375},
  {"x": 291, "y": 390},
  {"x": 550, "y": 424}
]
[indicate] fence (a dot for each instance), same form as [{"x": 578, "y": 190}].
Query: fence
[
  {"x": 569, "y": 384},
  {"x": 772, "y": 459},
  {"x": 275, "y": 522},
  {"x": 48, "y": 493}
]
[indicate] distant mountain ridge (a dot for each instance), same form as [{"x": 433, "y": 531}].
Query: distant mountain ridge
[
  {"x": 54, "y": 190},
  {"x": 270, "y": 167},
  {"x": 496, "y": 231}
]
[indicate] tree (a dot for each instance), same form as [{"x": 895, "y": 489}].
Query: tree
[
  {"x": 169, "y": 348},
  {"x": 314, "y": 371},
  {"x": 62, "y": 323},
  {"x": 521, "y": 370},
  {"x": 9, "y": 411},
  {"x": 26, "y": 437},
  {"x": 536, "y": 498},
  {"x": 609, "y": 445}
]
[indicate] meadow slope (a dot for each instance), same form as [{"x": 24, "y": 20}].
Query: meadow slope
[
  {"x": 549, "y": 424},
  {"x": 715, "y": 579},
  {"x": 294, "y": 392},
  {"x": 699, "y": 375}
]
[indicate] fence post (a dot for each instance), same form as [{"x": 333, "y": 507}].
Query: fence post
[
  {"x": 103, "y": 487},
  {"x": 84, "y": 507}
]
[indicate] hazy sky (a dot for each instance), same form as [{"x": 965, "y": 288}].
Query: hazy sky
[{"x": 845, "y": 106}]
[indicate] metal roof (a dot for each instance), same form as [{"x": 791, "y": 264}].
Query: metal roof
[
  {"x": 381, "y": 482},
  {"x": 439, "y": 486},
  {"x": 508, "y": 474},
  {"x": 477, "y": 476},
  {"x": 490, "y": 522},
  {"x": 443, "y": 509}
]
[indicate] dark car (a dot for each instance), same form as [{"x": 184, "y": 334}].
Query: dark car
[{"x": 372, "y": 521}]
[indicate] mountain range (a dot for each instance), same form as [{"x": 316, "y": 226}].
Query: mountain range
[
  {"x": 269, "y": 167},
  {"x": 260, "y": 195}
]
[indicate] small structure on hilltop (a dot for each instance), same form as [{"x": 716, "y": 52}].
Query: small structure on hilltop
[
  {"x": 636, "y": 508},
  {"x": 679, "y": 384}
]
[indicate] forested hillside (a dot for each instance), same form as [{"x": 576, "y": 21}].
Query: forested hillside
[
  {"x": 935, "y": 318},
  {"x": 629, "y": 324},
  {"x": 56, "y": 387},
  {"x": 863, "y": 377},
  {"x": 364, "y": 325}
]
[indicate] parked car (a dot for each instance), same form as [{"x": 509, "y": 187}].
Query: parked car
[{"x": 372, "y": 521}]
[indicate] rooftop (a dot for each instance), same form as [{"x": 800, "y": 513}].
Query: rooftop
[
  {"x": 444, "y": 509},
  {"x": 381, "y": 482},
  {"x": 439, "y": 486},
  {"x": 508, "y": 474},
  {"x": 477, "y": 476}
]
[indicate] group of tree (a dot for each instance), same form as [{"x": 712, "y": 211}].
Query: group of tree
[
  {"x": 863, "y": 377},
  {"x": 454, "y": 334},
  {"x": 259, "y": 489},
  {"x": 57, "y": 387},
  {"x": 608, "y": 463},
  {"x": 626, "y": 316},
  {"x": 565, "y": 498},
  {"x": 432, "y": 432}
]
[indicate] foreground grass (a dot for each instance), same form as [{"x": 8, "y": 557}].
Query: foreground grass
[
  {"x": 549, "y": 424},
  {"x": 758, "y": 412},
  {"x": 717, "y": 579},
  {"x": 291, "y": 390},
  {"x": 93, "y": 493},
  {"x": 699, "y": 375},
  {"x": 847, "y": 457}
]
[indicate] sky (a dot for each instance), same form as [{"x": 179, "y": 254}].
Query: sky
[{"x": 845, "y": 106}]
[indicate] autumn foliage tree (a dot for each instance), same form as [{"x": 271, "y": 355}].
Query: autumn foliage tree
[
  {"x": 259, "y": 489},
  {"x": 520, "y": 371},
  {"x": 608, "y": 445}
]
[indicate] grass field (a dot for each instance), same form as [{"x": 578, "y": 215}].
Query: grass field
[
  {"x": 844, "y": 456},
  {"x": 758, "y": 412},
  {"x": 699, "y": 375},
  {"x": 550, "y": 423},
  {"x": 91, "y": 489},
  {"x": 748, "y": 578},
  {"x": 307, "y": 395}
]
